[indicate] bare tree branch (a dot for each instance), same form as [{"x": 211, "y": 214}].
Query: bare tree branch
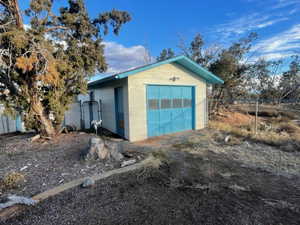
[
  {"x": 14, "y": 6},
  {"x": 56, "y": 28}
]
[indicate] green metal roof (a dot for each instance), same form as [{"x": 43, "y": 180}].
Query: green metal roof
[{"x": 180, "y": 60}]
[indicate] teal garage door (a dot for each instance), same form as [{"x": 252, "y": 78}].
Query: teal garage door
[{"x": 170, "y": 109}]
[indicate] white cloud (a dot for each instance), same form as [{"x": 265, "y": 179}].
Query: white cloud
[
  {"x": 270, "y": 22},
  {"x": 275, "y": 4},
  {"x": 121, "y": 58},
  {"x": 293, "y": 11},
  {"x": 274, "y": 56},
  {"x": 118, "y": 57},
  {"x": 281, "y": 45},
  {"x": 248, "y": 23},
  {"x": 285, "y": 3},
  {"x": 267, "y": 13}
]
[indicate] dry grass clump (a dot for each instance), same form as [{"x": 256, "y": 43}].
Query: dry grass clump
[
  {"x": 12, "y": 180},
  {"x": 234, "y": 141},
  {"x": 184, "y": 145},
  {"x": 288, "y": 114},
  {"x": 265, "y": 113},
  {"x": 234, "y": 118},
  {"x": 275, "y": 126},
  {"x": 240, "y": 131},
  {"x": 288, "y": 127},
  {"x": 276, "y": 134},
  {"x": 160, "y": 155},
  {"x": 272, "y": 138}
]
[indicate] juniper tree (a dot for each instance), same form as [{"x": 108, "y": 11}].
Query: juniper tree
[
  {"x": 198, "y": 52},
  {"x": 45, "y": 64},
  {"x": 289, "y": 85},
  {"x": 165, "y": 54},
  {"x": 262, "y": 79},
  {"x": 226, "y": 62},
  {"x": 231, "y": 67}
]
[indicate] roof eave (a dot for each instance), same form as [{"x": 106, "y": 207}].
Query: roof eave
[
  {"x": 104, "y": 80},
  {"x": 202, "y": 72}
]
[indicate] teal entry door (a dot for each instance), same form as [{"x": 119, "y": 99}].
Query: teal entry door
[
  {"x": 170, "y": 109},
  {"x": 119, "y": 103}
]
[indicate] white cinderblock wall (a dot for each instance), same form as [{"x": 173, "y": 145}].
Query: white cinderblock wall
[{"x": 107, "y": 97}]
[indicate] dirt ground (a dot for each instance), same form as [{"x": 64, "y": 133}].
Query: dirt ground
[
  {"x": 250, "y": 154},
  {"x": 47, "y": 165},
  {"x": 189, "y": 191},
  {"x": 203, "y": 181},
  {"x": 291, "y": 111}
]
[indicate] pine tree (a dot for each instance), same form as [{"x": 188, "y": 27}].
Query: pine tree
[{"x": 43, "y": 66}]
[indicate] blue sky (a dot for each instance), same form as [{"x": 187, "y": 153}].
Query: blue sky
[{"x": 161, "y": 24}]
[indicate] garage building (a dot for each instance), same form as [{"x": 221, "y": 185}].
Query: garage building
[{"x": 156, "y": 99}]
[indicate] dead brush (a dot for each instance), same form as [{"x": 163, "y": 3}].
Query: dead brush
[
  {"x": 153, "y": 165},
  {"x": 288, "y": 114},
  {"x": 184, "y": 145},
  {"x": 225, "y": 127},
  {"x": 281, "y": 119},
  {"x": 275, "y": 135},
  {"x": 272, "y": 138},
  {"x": 220, "y": 126},
  {"x": 12, "y": 180},
  {"x": 288, "y": 128},
  {"x": 161, "y": 156},
  {"x": 234, "y": 141}
]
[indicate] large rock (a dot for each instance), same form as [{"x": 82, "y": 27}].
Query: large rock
[
  {"x": 99, "y": 149},
  {"x": 96, "y": 149},
  {"x": 89, "y": 182},
  {"x": 114, "y": 150},
  {"x": 14, "y": 199},
  {"x": 128, "y": 162}
]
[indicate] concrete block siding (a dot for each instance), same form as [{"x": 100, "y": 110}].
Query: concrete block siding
[
  {"x": 134, "y": 98},
  {"x": 161, "y": 75},
  {"x": 107, "y": 97}
]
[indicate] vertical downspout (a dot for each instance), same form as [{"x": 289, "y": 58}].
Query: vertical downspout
[
  {"x": 91, "y": 111},
  {"x": 7, "y": 124}
]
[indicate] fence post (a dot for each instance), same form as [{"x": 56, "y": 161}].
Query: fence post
[{"x": 256, "y": 117}]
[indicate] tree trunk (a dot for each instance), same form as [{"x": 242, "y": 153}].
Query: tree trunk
[
  {"x": 13, "y": 7},
  {"x": 47, "y": 128},
  {"x": 217, "y": 99}
]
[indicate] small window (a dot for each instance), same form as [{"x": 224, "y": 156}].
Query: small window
[
  {"x": 153, "y": 104},
  {"x": 165, "y": 103},
  {"x": 177, "y": 103},
  {"x": 187, "y": 103}
]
